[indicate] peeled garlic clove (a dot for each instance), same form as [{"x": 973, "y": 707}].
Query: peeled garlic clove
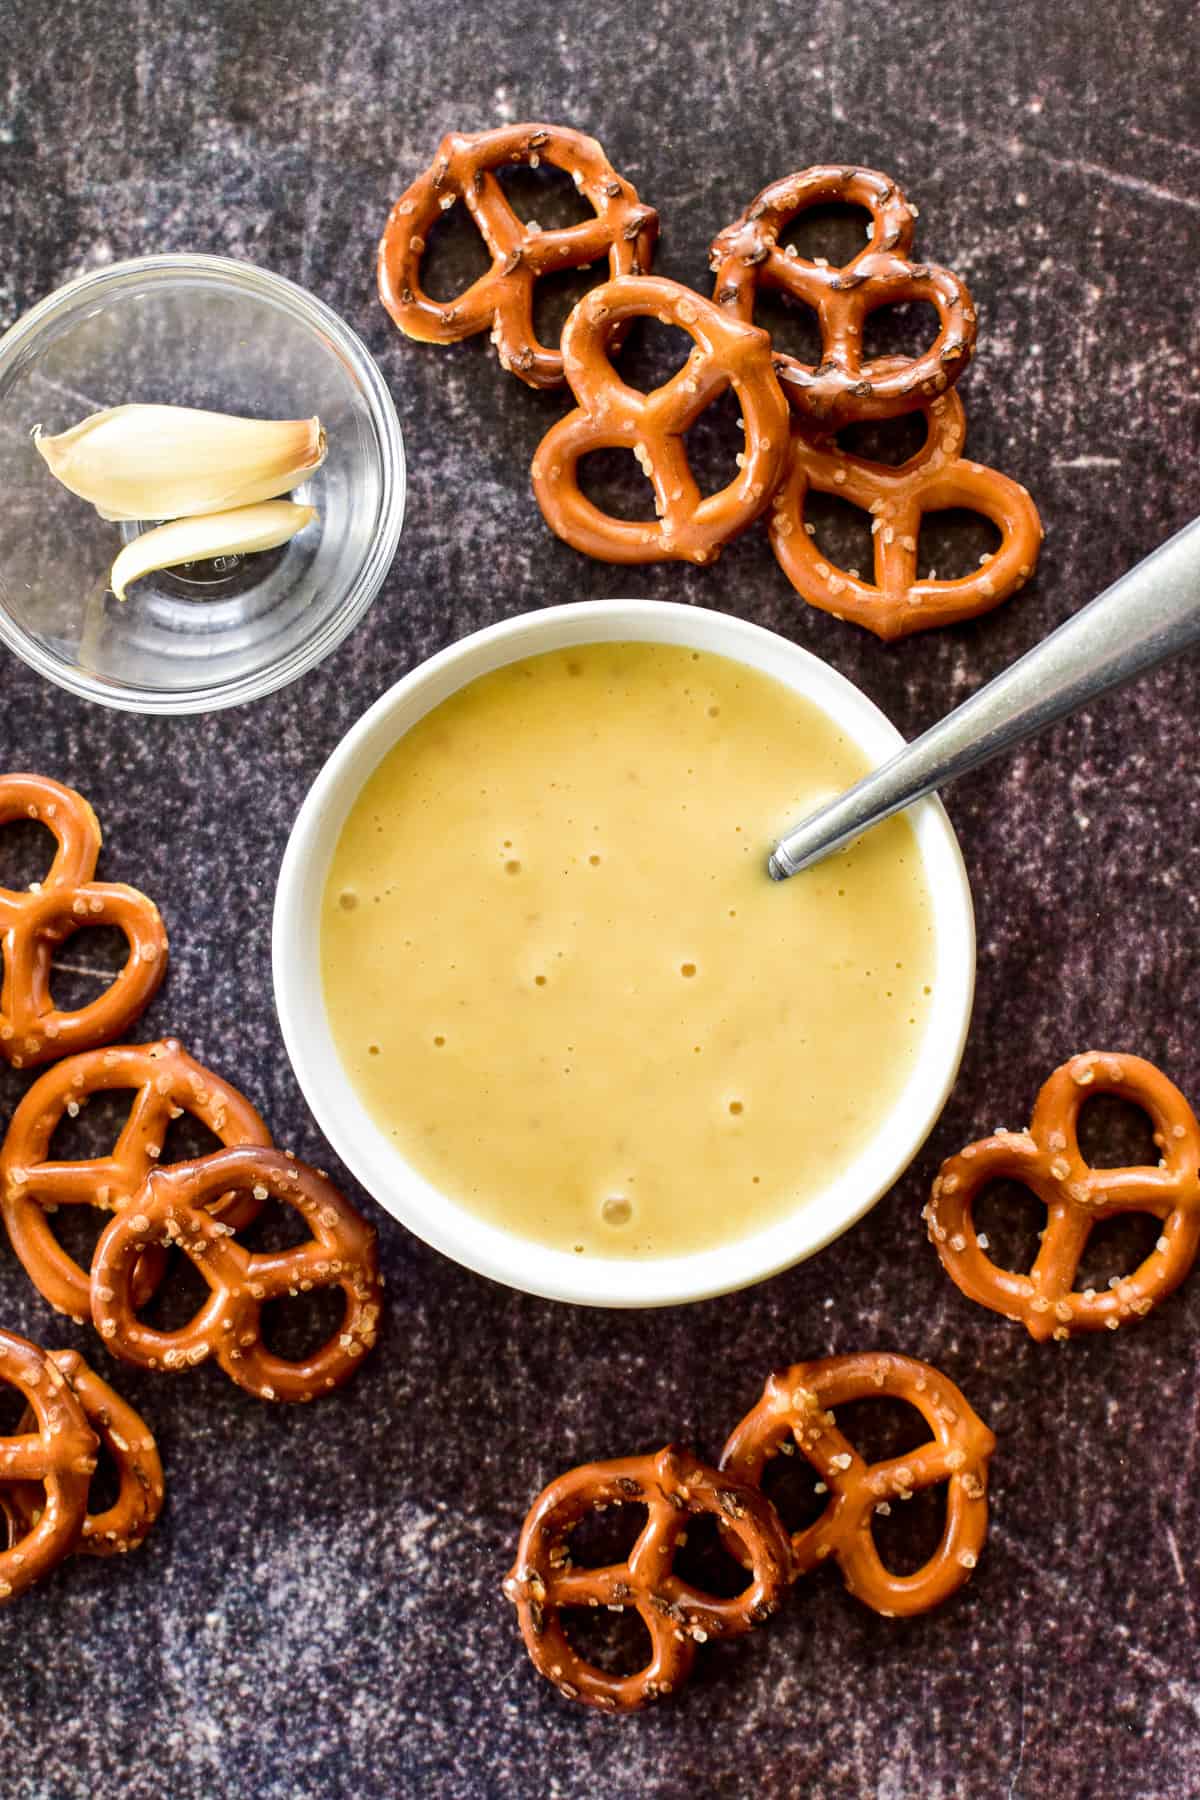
[
  {"x": 235, "y": 533},
  {"x": 174, "y": 462}
]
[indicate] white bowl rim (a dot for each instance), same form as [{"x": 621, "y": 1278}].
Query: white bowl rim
[
  {"x": 393, "y": 497},
  {"x": 376, "y": 1163}
]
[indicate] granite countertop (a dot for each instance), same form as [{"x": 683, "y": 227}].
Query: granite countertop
[{"x": 318, "y": 1613}]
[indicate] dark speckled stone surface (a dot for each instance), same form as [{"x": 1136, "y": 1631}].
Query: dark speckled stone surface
[{"x": 319, "y": 1613}]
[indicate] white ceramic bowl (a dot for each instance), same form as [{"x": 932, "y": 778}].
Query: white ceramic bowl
[{"x": 374, "y": 1159}]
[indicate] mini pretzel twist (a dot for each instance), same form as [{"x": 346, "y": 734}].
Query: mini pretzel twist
[
  {"x": 56, "y": 1448},
  {"x": 797, "y": 1409},
  {"x": 610, "y": 414},
  {"x": 172, "y": 1207},
  {"x": 33, "y": 924},
  {"x": 166, "y": 1082},
  {"x": 843, "y": 386},
  {"x": 128, "y": 1439},
  {"x": 674, "y": 1487},
  {"x": 1047, "y": 1160},
  {"x": 623, "y": 230},
  {"x": 938, "y": 476}
]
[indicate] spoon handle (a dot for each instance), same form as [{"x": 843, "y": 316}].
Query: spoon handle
[{"x": 1145, "y": 617}]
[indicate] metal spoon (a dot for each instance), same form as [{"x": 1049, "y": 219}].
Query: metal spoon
[{"x": 1148, "y": 615}]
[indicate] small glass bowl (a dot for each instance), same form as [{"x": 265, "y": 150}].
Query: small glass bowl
[{"x": 199, "y": 331}]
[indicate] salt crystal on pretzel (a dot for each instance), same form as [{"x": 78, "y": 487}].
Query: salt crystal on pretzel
[
  {"x": 464, "y": 169},
  {"x": 1047, "y": 1160}
]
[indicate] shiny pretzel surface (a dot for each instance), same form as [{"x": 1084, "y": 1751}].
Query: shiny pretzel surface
[
  {"x": 673, "y": 1487},
  {"x": 797, "y": 1414},
  {"x": 898, "y": 601},
  {"x": 130, "y": 1443},
  {"x": 1047, "y": 1161},
  {"x": 172, "y": 1207},
  {"x": 165, "y": 1083},
  {"x": 464, "y": 170},
  {"x": 35, "y": 923},
  {"x": 689, "y": 526},
  {"x": 845, "y": 386},
  {"x": 56, "y": 1450}
]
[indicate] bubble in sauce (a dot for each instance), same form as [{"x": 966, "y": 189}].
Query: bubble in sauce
[{"x": 617, "y": 1210}]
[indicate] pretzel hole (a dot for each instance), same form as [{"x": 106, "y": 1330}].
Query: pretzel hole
[
  {"x": 187, "y": 1138},
  {"x": 1116, "y": 1247},
  {"x": 953, "y": 542},
  {"x": 178, "y": 1297},
  {"x": 883, "y": 1428},
  {"x": 908, "y": 1534},
  {"x": 275, "y": 1227},
  {"x": 837, "y": 231},
  {"x": 27, "y": 849},
  {"x": 92, "y": 1132},
  {"x": 556, "y": 294},
  {"x": 890, "y": 441},
  {"x": 455, "y": 255},
  {"x": 76, "y": 1228},
  {"x": 1116, "y": 1134},
  {"x": 904, "y": 328},
  {"x": 841, "y": 532},
  {"x": 85, "y": 964},
  {"x": 545, "y": 195},
  {"x": 715, "y": 442},
  {"x": 296, "y": 1325},
  {"x": 617, "y": 1642},
  {"x": 105, "y": 1486},
  {"x": 1012, "y": 1219},
  {"x": 705, "y": 1563},
  {"x": 790, "y": 1484},
  {"x": 793, "y": 324},
  {"x": 12, "y": 1410},
  {"x": 614, "y": 481},
  {"x": 653, "y": 352},
  {"x": 11, "y": 1528},
  {"x": 601, "y": 1539}
]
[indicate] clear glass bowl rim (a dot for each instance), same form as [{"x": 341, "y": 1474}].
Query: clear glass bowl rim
[{"x": 261, "y": 284}]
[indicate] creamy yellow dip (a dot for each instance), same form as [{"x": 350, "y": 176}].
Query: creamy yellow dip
[{"x": 562, "y": 981}]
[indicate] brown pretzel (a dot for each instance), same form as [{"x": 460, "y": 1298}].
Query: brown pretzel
[
  {"x": 623, "y": 230},
  {"x": 1047, "y": 1160},
  {"x": 797, "y": 1409},
  {"x": 128, "y": 1439},
  {"x": 936, "y": 477},
  {"x": 57, "y": 1448},
  {"x": 33, "y": 924},
  {"x": 172, "y": 1206},
  {"x": 844, "y": 387},
  {"x": 166, "y": 1082},
  {"x": 611, "y": 414},
  {"x": 673, "y": 1486}
]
